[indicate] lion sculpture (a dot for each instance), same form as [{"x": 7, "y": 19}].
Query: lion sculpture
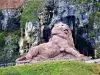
[{"x": 61, "y": 42}]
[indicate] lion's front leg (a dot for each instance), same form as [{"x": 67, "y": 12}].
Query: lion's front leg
[{"x": 74, "y": 52}]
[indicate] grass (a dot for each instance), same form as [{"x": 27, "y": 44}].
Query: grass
[{"x": 53, "y": 68}]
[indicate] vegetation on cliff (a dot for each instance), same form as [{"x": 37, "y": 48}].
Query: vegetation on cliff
[
  {"x": 2, "y": 41},
  {"x": 30, "y": 11}
]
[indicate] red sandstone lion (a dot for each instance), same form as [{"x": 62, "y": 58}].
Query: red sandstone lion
[{"x": 60, "y": 42}]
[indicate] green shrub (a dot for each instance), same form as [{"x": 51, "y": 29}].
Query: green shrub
[
  {"x": 98, "y": 54},
  {"x": 98, "y": 4},
  {"x": 2, "y": 40},
  {"x": 97, "y": 21},
  {"x": 91, "y": 19},
  {"x": 92, "y": 34}
]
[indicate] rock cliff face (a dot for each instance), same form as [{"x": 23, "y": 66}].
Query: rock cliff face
[
  {"x": 54, "y": 11},
  {"x": 10, "y": 24},
  {"x": 29, "y": 37},
  {"x": 10, "y": 19},
  {"x": 58, "y": 11}
]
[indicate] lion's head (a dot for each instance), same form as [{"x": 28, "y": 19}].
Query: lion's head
[
  {"x": 63, "y": 31},
  {"x": 60, "y": 28}
]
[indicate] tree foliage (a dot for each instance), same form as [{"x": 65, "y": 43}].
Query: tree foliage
[{"x": 30, "y": 10}]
